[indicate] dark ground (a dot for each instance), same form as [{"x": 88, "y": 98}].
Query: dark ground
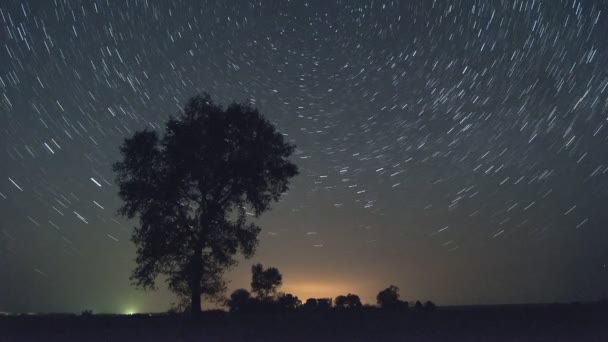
[{"x": 564, "y": 322}]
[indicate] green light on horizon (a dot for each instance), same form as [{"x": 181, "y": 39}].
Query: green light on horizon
[{"x": 130, "y": 311}]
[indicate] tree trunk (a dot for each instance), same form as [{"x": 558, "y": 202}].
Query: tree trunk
[{"x": 195, "y": 282}]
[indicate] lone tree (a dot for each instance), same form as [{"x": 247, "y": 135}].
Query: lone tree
[
  {"x": 190, "y": 190},
  {"x": 264, "y": 282},
  {"x": 389, "y": 298}
]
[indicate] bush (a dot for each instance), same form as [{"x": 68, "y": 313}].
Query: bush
[
  {"x": 388, "y": 299},
  {"x": 350, "y": 301},
  {"x": 240, "y": 301},
  {"x": 287, "y": 301}
]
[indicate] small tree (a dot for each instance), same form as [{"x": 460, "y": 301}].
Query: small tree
[
  {"x": 190, "y": 190},
  {"x": 264, "y": 282},
  {"x": 240, "y": 301},
  {"x": 350, "y": 301},
  {"x": 389, "y": 298}
]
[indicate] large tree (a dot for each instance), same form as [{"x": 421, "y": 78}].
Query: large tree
[{"x": 190, "y": 190}]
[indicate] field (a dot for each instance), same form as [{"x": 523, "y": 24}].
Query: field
[{"x": 563, "y": 322}]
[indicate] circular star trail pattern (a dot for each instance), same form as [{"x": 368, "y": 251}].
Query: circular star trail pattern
[{"x": 456, "y": 149}]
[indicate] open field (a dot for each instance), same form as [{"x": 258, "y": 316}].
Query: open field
[{"x": 563, "y": 322}]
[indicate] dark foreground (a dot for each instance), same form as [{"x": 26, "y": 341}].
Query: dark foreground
[{"x": 571, "y": 322}]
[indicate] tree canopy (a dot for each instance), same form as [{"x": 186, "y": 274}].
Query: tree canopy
[
  {"x": 287, "y": 301},
  {"x": 389, "y": 298},
  {"x": 240, "y": 300},
  {"x": 350, "y": 301},
  {"x": 265, "y": 282},
  {"x": 191, "y": 188}
]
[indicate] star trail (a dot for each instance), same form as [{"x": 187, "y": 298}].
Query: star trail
[{"x": 456, "y": 149}]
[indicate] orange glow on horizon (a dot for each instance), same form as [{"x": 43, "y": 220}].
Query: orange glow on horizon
[{"x": 307, "y": 290}]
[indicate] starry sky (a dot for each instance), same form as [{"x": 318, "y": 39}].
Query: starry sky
[{"x": 456, "y": 149}]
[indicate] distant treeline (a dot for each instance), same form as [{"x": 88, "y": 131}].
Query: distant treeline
[{"x": 264, "y": 297}]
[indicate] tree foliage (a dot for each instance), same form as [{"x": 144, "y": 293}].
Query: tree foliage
[
  {"x": 265, "y": 282},
  {"x": 389, "y": 298},
  {"x": 190, "y": 190},
  {"x": 240, "y": 301},
  {"x": 324, "y": 303},
  {"x": 350, "y": 301},
  {"x": 287, "y": 301},
  {"x": 310, "y": 304},
  {"x": 317, "y": 304}
]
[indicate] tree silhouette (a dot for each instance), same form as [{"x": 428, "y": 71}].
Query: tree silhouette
[
  {"x": 340, "y": 302},
  {"x": 350, "y": 301},
  {"x": 317, "y": 304},
  {"x": 389, "y": 298},
  {"x": 311, "y": 304},
  {"x": 429, "y": 306},
  {"x": 190, "y": 190},
  {"x": 324, "y": 303},
  {"x": 287, "y": 301},
  {"x": 240, "y": 301},
  {"x": 264, "y": 282},
  {"x": 212, "y": 287}
]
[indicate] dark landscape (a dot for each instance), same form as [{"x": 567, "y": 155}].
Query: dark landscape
[
  {"x": 547, "y": 322},
  {"x": 303, "y": 170}
]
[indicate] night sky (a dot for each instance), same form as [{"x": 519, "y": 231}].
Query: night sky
[{"x": 456, "y": 149}]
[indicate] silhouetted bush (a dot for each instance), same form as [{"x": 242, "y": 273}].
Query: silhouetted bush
[
  {"x": 287, "y": 301},
  {"x": 418, "y": 306},
  {"x": 388, "y": 299},
  {"x": 350, "y": 301},
  {"x": 429, "y": 306},
  {"x": 264, "y": 283},
  {"x": 311, "y": 303},
  {"x": 86, "y": 313},
  {"x": 240, "y": 301},
  {"x": 324, "y": 303},
  {"x": 317, "y": 304}
]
